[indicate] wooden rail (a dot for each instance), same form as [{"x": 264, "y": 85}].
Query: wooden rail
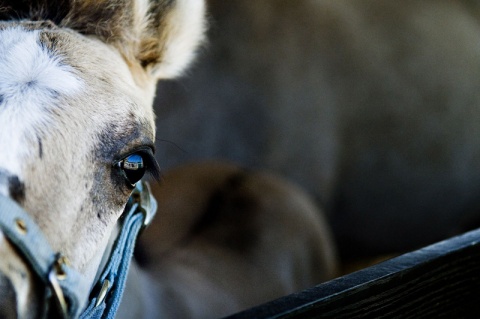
[{"x": 438, "y": 281}]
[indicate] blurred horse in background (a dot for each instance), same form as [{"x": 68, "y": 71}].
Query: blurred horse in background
[
  {"x": 227, "y": 239},
  {"x": 372, "y": 106}
]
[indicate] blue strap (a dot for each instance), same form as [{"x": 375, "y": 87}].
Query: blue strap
[
  {"x": 117, "y": 268},
  {"x": 114, "y": 276},
  {"x": 26, "y": 236}
]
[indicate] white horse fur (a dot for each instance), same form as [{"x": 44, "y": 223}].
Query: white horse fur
[{"x": 77, "y": 82}]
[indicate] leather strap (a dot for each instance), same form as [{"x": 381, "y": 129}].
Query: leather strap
[{"x": 27, "y": 237}]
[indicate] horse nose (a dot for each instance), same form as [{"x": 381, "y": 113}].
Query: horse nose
[
  {"x": 8, "y": 308},
  {"x": 11, "y": 186}
]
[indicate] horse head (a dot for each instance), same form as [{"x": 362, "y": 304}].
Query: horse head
[{"x": 77, "y": 82}]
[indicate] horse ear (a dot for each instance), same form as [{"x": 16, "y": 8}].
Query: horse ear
[
  {"x": 174, "y": 31},
  {"x": 160, "y": 36}
]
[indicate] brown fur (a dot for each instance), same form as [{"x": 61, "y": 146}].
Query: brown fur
[{"x": 226, "y": 239}]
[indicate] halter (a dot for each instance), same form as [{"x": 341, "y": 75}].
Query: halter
[{"x": 62, "y": 283}]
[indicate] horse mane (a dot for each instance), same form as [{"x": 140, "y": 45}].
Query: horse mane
[{"x": 53, "y": 10}]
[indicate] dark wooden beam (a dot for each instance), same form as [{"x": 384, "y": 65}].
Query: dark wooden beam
[{"x": 438, "y": 281}]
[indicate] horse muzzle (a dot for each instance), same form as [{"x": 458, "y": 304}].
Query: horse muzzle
[
  {"x": 8, "y": 302},
  {"x": 19, "y": 296}
]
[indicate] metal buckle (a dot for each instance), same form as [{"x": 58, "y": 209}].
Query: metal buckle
[
  {"x": 103, "y": 292},
  {"x": 147, "y": 205},
  {"x": 55, "y": 275}
]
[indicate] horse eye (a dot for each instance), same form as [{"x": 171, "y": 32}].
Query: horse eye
[{"x": 133, "y": 168}]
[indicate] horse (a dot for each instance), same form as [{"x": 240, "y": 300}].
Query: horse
[
  {"x": 369, "y": 105},
  {"x": 228, "y": 238},
  {"x": 77, "y": 129},
  {"x": 77, "y": 137}
]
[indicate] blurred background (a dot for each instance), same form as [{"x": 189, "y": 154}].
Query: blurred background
[{"x": 372, "y": 106}]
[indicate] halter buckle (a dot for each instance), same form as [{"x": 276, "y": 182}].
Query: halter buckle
[
  {"x": 55, "y": 275},
  {"x": 147, "y": 204}
]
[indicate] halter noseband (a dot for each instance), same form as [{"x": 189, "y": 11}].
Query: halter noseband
[{"x": 62, "y": 283}]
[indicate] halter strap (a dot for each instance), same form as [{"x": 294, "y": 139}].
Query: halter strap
[
  {"x": 27, "y": 237},
  {"x": 141, "y": 209},
  {"x": 61, "y": 281}
]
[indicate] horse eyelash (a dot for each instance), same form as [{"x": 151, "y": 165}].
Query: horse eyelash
[{"x": 153, "y": 169}]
